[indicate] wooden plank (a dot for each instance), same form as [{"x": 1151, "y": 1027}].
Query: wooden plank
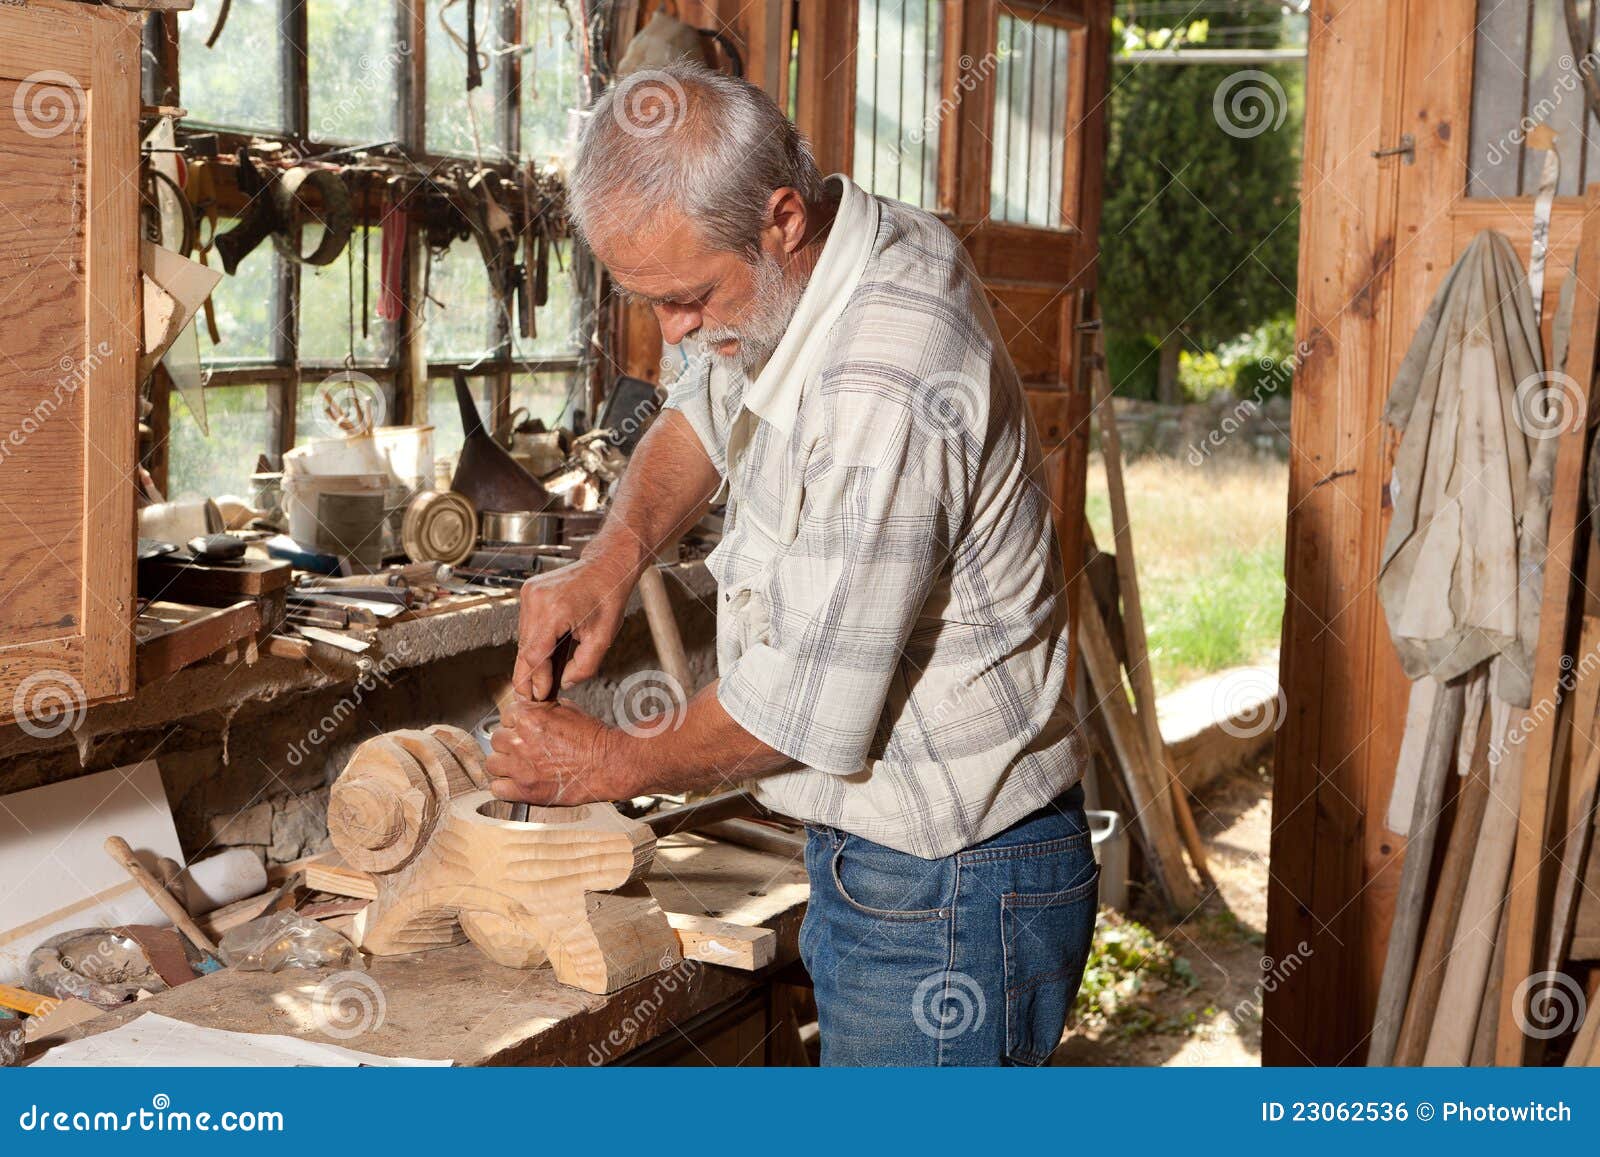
[
  {"x": 1471, "y": 801},
  {"x": 1444, "y": 726},
  {"x": 1135, "y": 640},
  {"x": 1524, "y": 940},
  {"x": 173, "y": 636},
  {"x": 1141, "y": 776},
  {"x": 713, "y": 941}
]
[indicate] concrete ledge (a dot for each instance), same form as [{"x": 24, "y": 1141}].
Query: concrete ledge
[{"x": 1223, "y": 722}]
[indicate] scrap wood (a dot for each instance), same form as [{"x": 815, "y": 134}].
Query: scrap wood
[
  {"x": 172, "y": 636},
  {"x": 21, "y": 1000},
  {"x": 1144, "y": 781},
  {"x": 1563, "y": 560},
  {"x": 1472, "y": 947},
  {"x": 713, "y": 941},
  {"x": 1400, "y": 961},
  {"x": 1135, "y": 639},
  {"x": 1472, "y": 798}
]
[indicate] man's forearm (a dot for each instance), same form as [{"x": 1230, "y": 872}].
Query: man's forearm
[
  {"x": 706, "y": 751},
  {"x": 668, "y": 486}
]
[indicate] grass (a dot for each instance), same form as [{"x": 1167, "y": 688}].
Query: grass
[{"x": 1209, "y": 544}]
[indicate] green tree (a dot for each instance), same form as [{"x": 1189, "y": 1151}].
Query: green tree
[{"x": 1200, "y": 226}]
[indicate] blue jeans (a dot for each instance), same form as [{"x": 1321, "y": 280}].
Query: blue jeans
[{"x": 970, "y": 960}]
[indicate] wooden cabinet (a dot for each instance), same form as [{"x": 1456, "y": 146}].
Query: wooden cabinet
[{"x": 69, "y": 106}]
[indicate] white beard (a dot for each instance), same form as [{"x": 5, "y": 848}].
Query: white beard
[{"x": 775, "y": 300}]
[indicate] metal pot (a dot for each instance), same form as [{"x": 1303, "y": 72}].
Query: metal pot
[{"x": 519, "y": 527}]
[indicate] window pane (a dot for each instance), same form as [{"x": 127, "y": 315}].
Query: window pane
[
  {"x": 549, "y": 397},
  {"x": 899, "y": 69},
  {"x": 1032, "y": 78},
  {"x": 239, "y": 82},
  {"x": 357, "y": 392},
  {"x": 353, "y": 68},
  {"x": 457, "y": 314},
  {"x": 444, "y": 415},
  {"x": 245, "y": 305},
  {"x": 453, "y": 118},
  {"x": 326, "y": 302},
  {"x": 560, "y": 323},
  {"x": 549, "y": 82},
  {"x": 244, "y": 425}
]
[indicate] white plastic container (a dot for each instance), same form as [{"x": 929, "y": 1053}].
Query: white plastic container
[{"x": 1109, "y": 836}]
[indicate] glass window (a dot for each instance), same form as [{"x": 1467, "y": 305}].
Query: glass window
[
  {"x": 457, "y": 314},
  {"x": 327, "y": 307},
  {"x": 549, "y": 397},
  {"x": 1523, "y": 74},
  {"x": 244, "y": 425},
  {"x": 444, "y": 414},
  {"x": 353, "y": 70},
  {"x": 238, "y": 83},
  {"x": 245, "y": 305},
  {"x": 899, "y": 72},
  {"x": 355, "y": 393},
  {"x": 462, "y": 123},
  {"x": 1031, "y": 80},
  {"x": 549, "y": 82}
]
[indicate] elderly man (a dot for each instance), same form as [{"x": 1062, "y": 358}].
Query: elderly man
[{"x": 892, "y": 642}]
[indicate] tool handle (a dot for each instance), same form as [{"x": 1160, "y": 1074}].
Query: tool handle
[
  {"x": 117, "y": 848},
  {"x": 559, "y": 655}
]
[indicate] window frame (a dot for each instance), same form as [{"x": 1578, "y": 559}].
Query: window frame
[
  {"x": 404, "y": 371},
  {"x": 1071, "y": 206}
]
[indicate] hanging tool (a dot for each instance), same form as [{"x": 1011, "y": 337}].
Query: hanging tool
[{"x": 558, "y": 666}]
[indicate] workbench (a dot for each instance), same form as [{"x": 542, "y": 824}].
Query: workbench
[{"x": 453, "y": 1003}]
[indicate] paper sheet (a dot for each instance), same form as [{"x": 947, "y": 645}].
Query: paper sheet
[{"x": 153, "y": 1040}]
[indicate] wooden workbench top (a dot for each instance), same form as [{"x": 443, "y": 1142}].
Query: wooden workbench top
[{"x": 454, "y": 1003}]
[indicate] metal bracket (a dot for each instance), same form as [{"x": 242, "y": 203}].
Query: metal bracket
[{"x": 1407, "y": 148}]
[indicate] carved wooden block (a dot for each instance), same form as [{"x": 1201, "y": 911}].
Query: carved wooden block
[{"x": 565, "y": 887}]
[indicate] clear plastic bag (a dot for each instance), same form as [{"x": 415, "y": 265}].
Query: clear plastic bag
[{"x": 287, "y": 940}]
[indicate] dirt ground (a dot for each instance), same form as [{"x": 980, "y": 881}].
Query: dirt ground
[{"x": 1210, "y": 1013}]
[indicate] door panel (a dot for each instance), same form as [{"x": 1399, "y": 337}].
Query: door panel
[{"x": 69, "y": 78}]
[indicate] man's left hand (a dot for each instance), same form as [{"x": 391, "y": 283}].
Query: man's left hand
[{"x": 550, "y": 754}]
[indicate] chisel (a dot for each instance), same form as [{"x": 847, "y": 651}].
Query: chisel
[{"x": 558, "y": 664}]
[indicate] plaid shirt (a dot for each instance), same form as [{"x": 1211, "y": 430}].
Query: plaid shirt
[{"x": 892, "y": 607}]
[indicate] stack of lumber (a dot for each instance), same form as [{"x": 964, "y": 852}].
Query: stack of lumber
[{"x": 1490, "y": 959}]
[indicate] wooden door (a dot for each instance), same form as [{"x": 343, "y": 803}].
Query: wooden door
[
  {"x": 69, "y": 106},
  {"x": 1378, "y": 233}
]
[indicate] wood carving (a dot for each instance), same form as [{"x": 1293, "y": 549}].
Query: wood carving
[{"x": 566, "y": 888}]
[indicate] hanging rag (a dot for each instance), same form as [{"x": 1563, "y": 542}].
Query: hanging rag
[{"x": 1462, "y": 569}]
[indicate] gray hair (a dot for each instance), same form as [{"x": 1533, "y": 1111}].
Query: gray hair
[{"x": 684, "y": 137}]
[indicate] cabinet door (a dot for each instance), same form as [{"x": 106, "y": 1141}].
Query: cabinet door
[{"x": 69, "y": 107}]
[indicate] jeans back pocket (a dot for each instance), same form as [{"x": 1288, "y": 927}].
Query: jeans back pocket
[{"x": 1046, "y": 939}]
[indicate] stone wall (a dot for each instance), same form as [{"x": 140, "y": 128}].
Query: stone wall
[{"x": 1220, "y": 428}]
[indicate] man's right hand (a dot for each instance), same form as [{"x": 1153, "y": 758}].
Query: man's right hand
[{"x": 586, "y": 597}]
